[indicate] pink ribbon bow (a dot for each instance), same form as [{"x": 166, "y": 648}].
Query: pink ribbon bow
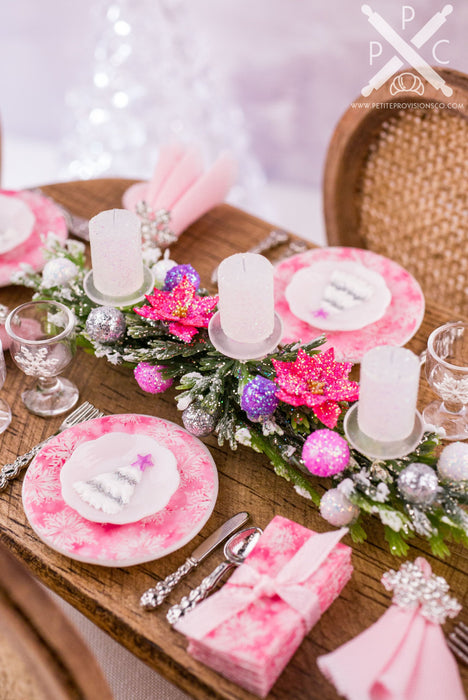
[{"x": 249, "y": 585}]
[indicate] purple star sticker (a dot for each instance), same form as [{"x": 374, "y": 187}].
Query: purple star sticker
[
  {"x": 320, "y": 313},
  {"x": 143, "y": 461}
]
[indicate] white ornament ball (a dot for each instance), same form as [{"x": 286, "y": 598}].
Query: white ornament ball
[
  {"x": 160, "y": 271},
  {"x": 58, "y": 272},
  {"x": 337, "y": 509},
  {"x": 453, "y": 462}
]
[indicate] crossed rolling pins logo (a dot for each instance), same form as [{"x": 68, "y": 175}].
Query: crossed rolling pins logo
[{"x": 406, "y": 51}]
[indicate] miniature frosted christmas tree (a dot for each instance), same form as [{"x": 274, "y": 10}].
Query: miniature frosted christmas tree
[{"x": 112, "y": 491}]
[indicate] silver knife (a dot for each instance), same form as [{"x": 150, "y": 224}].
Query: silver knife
[{"x": 156, "y": 595}]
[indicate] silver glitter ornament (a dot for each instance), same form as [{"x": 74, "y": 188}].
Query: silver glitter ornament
[
  {"x": 197, "y": 421},
  {"x": 418, "y": 483},
  {"x": 453, "y": 462},
  {"x": 106, "y": 324}
]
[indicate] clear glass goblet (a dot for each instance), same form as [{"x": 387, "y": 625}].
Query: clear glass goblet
[
  {"x": 447, "y": 374},
  {"x": 5, "y": 411},
  {"x": 42, "y": 344}
]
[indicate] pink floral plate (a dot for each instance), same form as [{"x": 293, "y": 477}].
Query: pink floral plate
[
  {"x": 397, "y": 326},
  {"x": 63, "y": 529},
  {"x": 48, "y": 218}
]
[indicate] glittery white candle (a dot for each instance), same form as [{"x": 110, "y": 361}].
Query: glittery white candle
[
  {"x": 388, "y": 393},
  {"x": 115, "y": 239},
  {"x": 246, "y": 303}
]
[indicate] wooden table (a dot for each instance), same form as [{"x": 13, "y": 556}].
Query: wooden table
[{"x": 109, "y": 596}]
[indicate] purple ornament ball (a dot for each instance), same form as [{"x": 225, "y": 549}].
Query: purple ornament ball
[
  {"x": 259, "y": 398},
  {"x": 325, "y": 453},
  {"x": 176, "y": 274},
  {"x": 150, "y": 379}
]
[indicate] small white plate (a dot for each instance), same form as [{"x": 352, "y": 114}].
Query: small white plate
[{"x": 338, "y": 296}]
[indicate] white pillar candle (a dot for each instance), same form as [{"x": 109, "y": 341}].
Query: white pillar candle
[
  {"x": 246, "y": 302},
  {"x": 115, "y": 239},
  {"x": 388, "y": 393}
]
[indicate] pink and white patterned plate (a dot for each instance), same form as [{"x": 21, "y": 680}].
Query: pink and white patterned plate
[
  {"x": 63, "y": 529},
  {"x": 48, "y": 218},
  {"x": 397, "y": 326}
]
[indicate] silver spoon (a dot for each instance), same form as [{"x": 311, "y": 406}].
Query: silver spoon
[{"x": 235, "y": 550}]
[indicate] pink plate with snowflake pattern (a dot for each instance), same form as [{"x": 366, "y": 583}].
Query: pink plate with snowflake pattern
[
  {"x": 397, "y": 325},
  {"x": 48, "y": 218},
  {"x": 66, "y": 531}
]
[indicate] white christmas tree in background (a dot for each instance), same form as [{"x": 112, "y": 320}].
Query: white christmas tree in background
[{"x": 154, "y": 80}]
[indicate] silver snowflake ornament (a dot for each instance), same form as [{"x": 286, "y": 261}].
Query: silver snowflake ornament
[{"x": 414, "y": 585}]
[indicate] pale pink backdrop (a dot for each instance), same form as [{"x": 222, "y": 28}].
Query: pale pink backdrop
[{"x": 293, "y": 67}]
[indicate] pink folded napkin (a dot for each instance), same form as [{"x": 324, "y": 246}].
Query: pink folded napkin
[
  {"x": 181, "y": 187},
  {"x": 403, "y": 656},
  {"x": 249, "y": 630}
]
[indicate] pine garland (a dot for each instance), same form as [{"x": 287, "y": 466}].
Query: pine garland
[{"x": 214, "y": 383}]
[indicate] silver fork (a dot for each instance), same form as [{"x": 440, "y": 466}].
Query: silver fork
[
  {"x": 83, "y": 413},
  {"x": 458, "y": 642}
]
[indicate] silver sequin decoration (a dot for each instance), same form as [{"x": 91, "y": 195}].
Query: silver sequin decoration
[{"x": 412, "y": 587}]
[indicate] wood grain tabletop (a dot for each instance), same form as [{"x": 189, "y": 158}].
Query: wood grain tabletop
[{"x": 110, "y": 596}]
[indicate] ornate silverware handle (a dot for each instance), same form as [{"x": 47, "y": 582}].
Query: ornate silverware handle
[
  {"x": 10, "y": 471},
  {"x": 157, "y": 594},
  {"x": 199, "y": 593}
]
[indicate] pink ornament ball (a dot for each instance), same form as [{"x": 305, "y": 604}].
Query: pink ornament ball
[
  {"x": 149, "y": 378},
  {"x": 325, "y": 453}
]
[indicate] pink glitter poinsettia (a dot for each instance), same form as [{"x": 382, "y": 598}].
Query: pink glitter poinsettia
[
  {"x": 181, "y": 307},
  {"x": 316, "y": 381}
]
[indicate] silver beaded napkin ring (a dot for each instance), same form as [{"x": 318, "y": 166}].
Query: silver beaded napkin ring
[
  {"x": 414, "y": 585},
  {"x": 155, "y": 229}
]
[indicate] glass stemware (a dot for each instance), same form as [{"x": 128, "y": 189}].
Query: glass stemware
[
  {"x": 5, "y": 411},
  {"x": 447, "y": 374},
  {"x": 42, "y": 345}
]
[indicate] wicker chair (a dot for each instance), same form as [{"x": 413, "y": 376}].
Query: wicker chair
[
  {"x": 396, "y": 182},
  {"x": 41, "y": 655}
]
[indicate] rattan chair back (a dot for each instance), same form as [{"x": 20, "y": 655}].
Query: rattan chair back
[
  {"x": 396, "y": 182},
  {"x": 42, "y": 657}
]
